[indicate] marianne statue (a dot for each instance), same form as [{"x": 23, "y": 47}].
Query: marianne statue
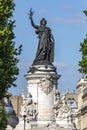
[{"x": 45, "y": 50}]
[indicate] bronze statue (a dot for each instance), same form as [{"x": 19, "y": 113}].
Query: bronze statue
[{"x": 45, "y": 50}]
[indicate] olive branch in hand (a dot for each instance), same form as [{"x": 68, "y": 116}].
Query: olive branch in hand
[{"x": 31, "y": 13}]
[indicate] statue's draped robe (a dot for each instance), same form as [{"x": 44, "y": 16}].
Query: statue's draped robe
[{"x": 45, "y": 48}]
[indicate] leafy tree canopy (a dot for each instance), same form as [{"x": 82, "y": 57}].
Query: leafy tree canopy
[
  {"x": 3, "y": 120},
  {"x": 8, "y": 52},
  {"x": 83, "y": 50}
]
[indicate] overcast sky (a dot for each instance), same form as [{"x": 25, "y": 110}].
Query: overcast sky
[{"x": 69, "y": 27}]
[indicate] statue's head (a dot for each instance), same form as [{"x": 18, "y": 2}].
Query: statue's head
[{"x": 43, "y": 21}]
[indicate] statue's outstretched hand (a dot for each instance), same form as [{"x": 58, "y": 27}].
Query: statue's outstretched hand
[{"x": 31, "y": 13}]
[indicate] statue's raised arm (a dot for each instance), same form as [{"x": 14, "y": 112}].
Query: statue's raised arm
[{"x": 31, "y": 19}]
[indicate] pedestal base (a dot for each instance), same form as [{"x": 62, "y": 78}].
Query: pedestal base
[{"x": 42, "y": 83}]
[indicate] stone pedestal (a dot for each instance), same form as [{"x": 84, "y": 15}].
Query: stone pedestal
[
  {"x": 41, "y": 84},
  {"x": 43, "y": 108}
]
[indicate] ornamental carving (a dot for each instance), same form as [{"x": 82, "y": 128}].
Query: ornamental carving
[
  {"x": 46, "y": 84},
  {"x": 29, "y": 108},
  {"x": 62, "y": 110}
]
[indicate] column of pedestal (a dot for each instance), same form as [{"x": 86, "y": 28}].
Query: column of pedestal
[{"x": 42, "y": 86}]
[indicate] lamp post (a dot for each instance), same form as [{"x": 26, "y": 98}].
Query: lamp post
[{"x": 24, "y": 120}]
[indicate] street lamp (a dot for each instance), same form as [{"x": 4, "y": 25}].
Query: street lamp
[{"x": 24, "y": 120}]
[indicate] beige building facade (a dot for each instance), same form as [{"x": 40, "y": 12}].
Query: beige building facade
[
  {"x": 17, "y": 102},
  {"x": 82, "y": 103}
]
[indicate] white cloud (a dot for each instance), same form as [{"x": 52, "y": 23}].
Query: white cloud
[
  {"x": 24, "y": 66},
  {"x": 42, "y": 11},
  {"x": 59, "y": 65},
  {"x": 73, "y": 73},
  {"x": 69, "y": 20},
  {"x": 64, "y": 6}
]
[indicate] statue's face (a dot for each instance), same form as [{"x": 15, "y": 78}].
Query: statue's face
[{"x": 43, "y": 22}]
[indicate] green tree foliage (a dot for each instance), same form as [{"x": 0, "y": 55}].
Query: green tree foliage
[
  {"x": 85, "y": 12},
  {"x": 83, "y": 50},
  {"x": 8, "y": 52},
  {"x": 3, "y": 120}
]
